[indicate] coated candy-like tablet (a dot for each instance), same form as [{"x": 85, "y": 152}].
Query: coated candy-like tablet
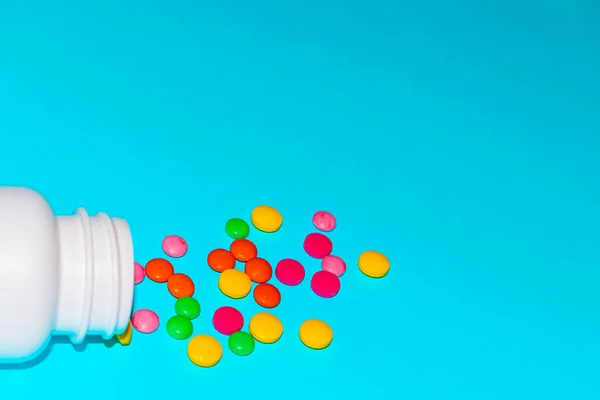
[
  {"x": 324, "y": 221},
  {"x": 241, "y": 343},
  {"x": 237, "y": 228},
  {"x": 179, "y": 327},
  {"x": 317, "y": 245},
  {"x": 125, "y": 337},
  {"x": 266, "y": 219},
  {"x": 267, "y": 295},
  {"x": 234, "y": 283},
  {"x": 243, "y": 249},
  {"x": 220, "y": 259},
  {"x": 174, "y": 246},
  {"x": 325, "y": 284},
  {"x": 187, "y": 307},
  {"x": 138, "y": 273},
  {"x": 258, "y": 269},
  {"x": 145, "y": 321},
  {"x": 266, "y": 328},
  {"x": 180, "y": 285},
  {"x": 334, "y": 264},
  {"x": 374, "y": 264},
  {"x": 159, "y": 270},
  {"x": 289, "y": 272},
  {"x": 315, "y": 334},
  {"x": 227, "y": 320},
  {"x": 204, "y": 351}
]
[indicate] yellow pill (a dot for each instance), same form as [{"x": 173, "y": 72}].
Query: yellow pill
[
  {"x": 374, "y": 264},
  {"x": 204, "y": 351},
  {"x": 266, "y": 219},
  {"x": 234, "y": 283},
  {"x": 125, "y": 337},
  {"x": 315, "y": 334},
  {"x": 265, "y": 327}
]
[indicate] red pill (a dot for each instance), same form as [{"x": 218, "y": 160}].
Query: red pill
[
  {"x": 325, "y": 284},
  {"x": 289, "y": 272},
  {"x": 317, "y": 245}
]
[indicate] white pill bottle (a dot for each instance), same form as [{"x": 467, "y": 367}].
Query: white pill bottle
[{"x": 64, "y": 275}]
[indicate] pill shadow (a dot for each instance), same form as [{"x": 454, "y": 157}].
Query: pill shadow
[{"x": 58, "y": 341}]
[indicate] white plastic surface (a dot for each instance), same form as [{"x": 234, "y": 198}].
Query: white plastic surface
[{"x": 70, "y": 275}]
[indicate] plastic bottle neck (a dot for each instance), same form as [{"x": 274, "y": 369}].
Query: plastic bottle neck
[{"x": 96, "y": 275}]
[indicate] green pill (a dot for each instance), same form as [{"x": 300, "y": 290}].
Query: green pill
[
  {"x": 241, "y": 343},
  {"x": 179, "y": 327},
  {"x": 237, "y": 228},
  {"x": 187, "y": 307}
]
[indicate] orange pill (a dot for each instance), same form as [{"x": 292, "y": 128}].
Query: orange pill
[
  {"x": 259, "y": 270},
  {"x": 267, "y": 295},
  {"x": 159, "y": 270},
  {"x": 180, "y": 285},
  {"x": 243, "y": 250},
  {"x": 220, "y": 260}
]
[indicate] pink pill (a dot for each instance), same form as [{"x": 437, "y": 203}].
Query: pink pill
[
  {"x": 333, "y": 264},
  {"x": 145, "y": 321},
  {"x": 289, "y": 272},
  {"x": 325, "y": 284},
  {"x": 174, "y": 246},
  {"x": 227, "y": 320},
  {"x": 317, "y": 245},
  {"x": 324, "y": 221},
  {"x": 139, "y": 273}
]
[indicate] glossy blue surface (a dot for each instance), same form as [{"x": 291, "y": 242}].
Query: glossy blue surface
[{"x": 459, "y": 138}]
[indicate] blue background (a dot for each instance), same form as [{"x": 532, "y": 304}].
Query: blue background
[{"x": 459, "y": 138}]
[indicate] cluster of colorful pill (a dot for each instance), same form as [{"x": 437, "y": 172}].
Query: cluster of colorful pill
[
  {"x": 206, "y": 351},
  {"x": 236, "y": 283},
  {"x": 179, "y": 285}
]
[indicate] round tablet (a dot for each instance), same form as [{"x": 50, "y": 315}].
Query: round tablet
[
  {"x": 266, "y": 219},
  {"x": 334, "y": 264},
  {"x": 187, "y": 307},
  {"x": 266, "y": 328},
  {"x": 317, "y": 245},
  {"x": 145, "y": 321},
  {"x": 324, "y": 221},
  {"x": 220, "y": 260},
  {"x": 179, "y": 327},
  {"x": 374, "y": 264},
  {"x": 325, "y": 284},
  {"x": 289, "y": 272},
  {"x": 138, "y": 273},
  {"x": 204, "y": 351},
  {"x": 243, "y": 249},
  {"x": 267, "y": 295},
  {"x": 227, "y": 320},
  {"x": 315, "y": 334},
  {"x": 174, "y": 246},
  {"x": 258, "y": 269},
  {"x": 180, "y": 285},
  {"x": 237, "y": 228},
  {"x": 241, "y": 343},
  {"x": 159, "y": 270},
  {"x": 234, "y": 283}
]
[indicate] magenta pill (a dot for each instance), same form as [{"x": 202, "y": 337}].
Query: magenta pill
[
  {"x": 317, "y": 245},
  {"x": 289, "y": 272},
  {"x": 324, "y": 221},
  {"x": 174, "y": 246},
  {"x": 145, "y": 321},
  {"x": 227, "y": 320},
  {"x": 139, "y": 273},
  {"x": 333, "y": 264},
  {"x": 325, "y": 284}
]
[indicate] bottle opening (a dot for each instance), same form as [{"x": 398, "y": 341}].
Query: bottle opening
[{"x": 96, "y": 275}]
